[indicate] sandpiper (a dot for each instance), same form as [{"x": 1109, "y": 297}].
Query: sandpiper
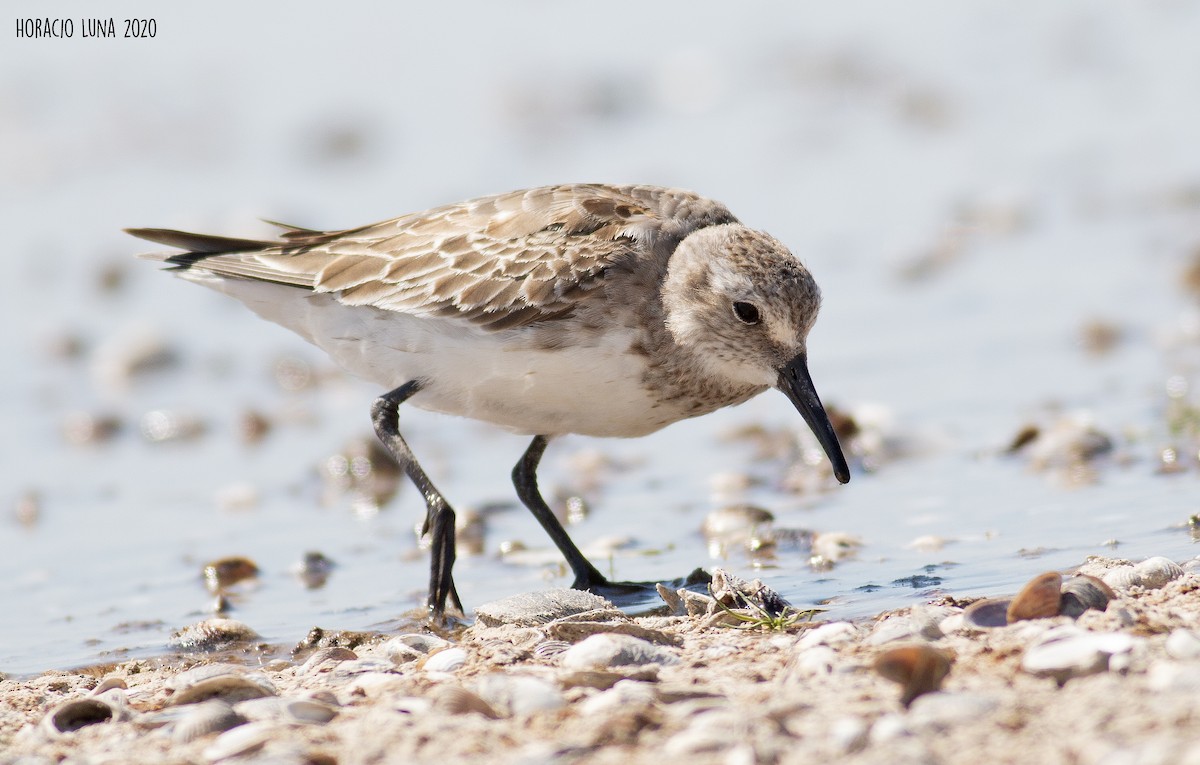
[{"x": 585, "y": 308}]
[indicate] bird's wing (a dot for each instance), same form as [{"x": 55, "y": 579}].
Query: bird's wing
[{"x": 500, "y": 261}]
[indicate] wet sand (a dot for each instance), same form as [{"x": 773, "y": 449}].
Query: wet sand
[{"x": 596, "y": 686}]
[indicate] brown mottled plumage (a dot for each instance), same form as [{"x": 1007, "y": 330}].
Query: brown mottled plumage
[{"x": 592, "y": 309}]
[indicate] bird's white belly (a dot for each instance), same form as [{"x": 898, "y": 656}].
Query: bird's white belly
[{"x": 591, "y": 387}]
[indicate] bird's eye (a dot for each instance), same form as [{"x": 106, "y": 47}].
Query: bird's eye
[{"x": 746, "y": 312}]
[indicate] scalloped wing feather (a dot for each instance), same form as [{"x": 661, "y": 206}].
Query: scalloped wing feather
[{"x": 500, "y": 261}]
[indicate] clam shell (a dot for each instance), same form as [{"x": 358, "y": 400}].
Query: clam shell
[
  {"x": 917, "y": 668},
  {"x": 1151, "y": 573},
  {"x": 459, "y": 701},
  {"x": 108, "y": 683},
  {"x": 241, "y": 740},
  {"x": 323, "y": 659},
  {"x": 446, "y": 660},
  {"x": 987, "y": 613},
  {"x": 1122, "y": 578},
  {"x": 286, "y": 710},
  {"x": 203, "y": 718},
  {"x": 218, "y": 681},
  {"x": 73, "y": 714},
  {"x": 1083, "y": 592},
  {"x": 1157, "y": 571},
  {"x": 1039, "y": 599}
]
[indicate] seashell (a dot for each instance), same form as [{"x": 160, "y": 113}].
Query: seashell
[
  {"x": 212, "y": 634},
  {"x": 550, "y": 648},
  {"x": 1122, "y": 578},
  {"x": 1157, "y": 571},
  {"x": 203, "y": 718},
  {"x": 242, "y": 740},
  {"x": 609, "y": 650},
  {"x": 286, "y": 710},
  {"x": 118, "y": 702},
  {"x": 445, "y": 660},
  {"x": 917, "y": 668},
  {"x": 1082, "y": 592},
  {"x": 423, "y": 643},
  {"x": 226, "y": 572},
  {"x": 987, "y": 613},
  {"x": 1068, "y": 652},
  {"x": 223, "y": 681},
  {"x": 73, "y": 714},
  {"x": 456, "y": 700},
  {"x": 830, "y": 633},
  {"x": 323, "y": 659},
  {"x": 108, "y": 683},
  {"x": 1038, "y": 599}
]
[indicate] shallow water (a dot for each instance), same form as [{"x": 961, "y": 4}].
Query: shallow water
[{"x": 971, "y": 190}]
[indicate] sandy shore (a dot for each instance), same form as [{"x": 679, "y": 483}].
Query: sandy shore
[{"x": 564, "y": 681}]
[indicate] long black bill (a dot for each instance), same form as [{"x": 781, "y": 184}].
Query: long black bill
[{"x": 797, "y": 385}]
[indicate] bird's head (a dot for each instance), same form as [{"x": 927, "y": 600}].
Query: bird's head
[{"x": 743, "y": 305}]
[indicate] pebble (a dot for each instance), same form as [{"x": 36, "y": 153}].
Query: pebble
[
  {"x": 608, "y": 650},
  {"x": 535, "y": 608},
  {"x": 944, "y": 710},
  {"x": 1068, "y": 652},
  {"x": 212, "y": 634},
  {"x": 891, "y": 629},
  {"x": 519, "y": 695},
  {"x": 624, "y": 694},
  {"x": 815, "y": 661},
  {"x": 830, "y": 633},
  {"x": 849, "y": 734},
  {"x": 1183, "y": 644},
  {"x": 1173, "y": 676}
]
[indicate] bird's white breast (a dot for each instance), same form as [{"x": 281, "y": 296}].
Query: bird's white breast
[{"x": 591, "y": 384}]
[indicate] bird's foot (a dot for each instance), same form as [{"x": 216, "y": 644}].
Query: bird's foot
[{"x": 632, "y": 594}]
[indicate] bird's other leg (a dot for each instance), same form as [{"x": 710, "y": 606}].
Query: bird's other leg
[
  {"x": 525, "y": 480},
  {"x": 439, "y": 517}
]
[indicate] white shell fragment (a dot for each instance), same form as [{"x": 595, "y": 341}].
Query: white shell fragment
[
  {"x": 520, "y": 695},
  {"x": 446, "y": 660},
  {"x": 1151, "y": 574},
  {"x": 73, "y": 714},
  {"x": 1068, "y": 652},
  {"x": 286, "y": 710},
  {"x": 241, "y": 740},
  {"x": 610, "y": 650},
  {"x": 219, "y": 681},
  {"x": 199, "y": 720}
]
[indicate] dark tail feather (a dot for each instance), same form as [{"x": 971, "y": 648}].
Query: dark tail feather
[{"x": 199, "y": 244}]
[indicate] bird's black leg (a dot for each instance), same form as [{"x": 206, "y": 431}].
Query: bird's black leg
[
  {"x": 525, "y": 479},
  {"x": 439, "y": 518}
]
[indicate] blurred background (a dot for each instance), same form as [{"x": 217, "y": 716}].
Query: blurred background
[{"x": 1002, "y": 209}]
